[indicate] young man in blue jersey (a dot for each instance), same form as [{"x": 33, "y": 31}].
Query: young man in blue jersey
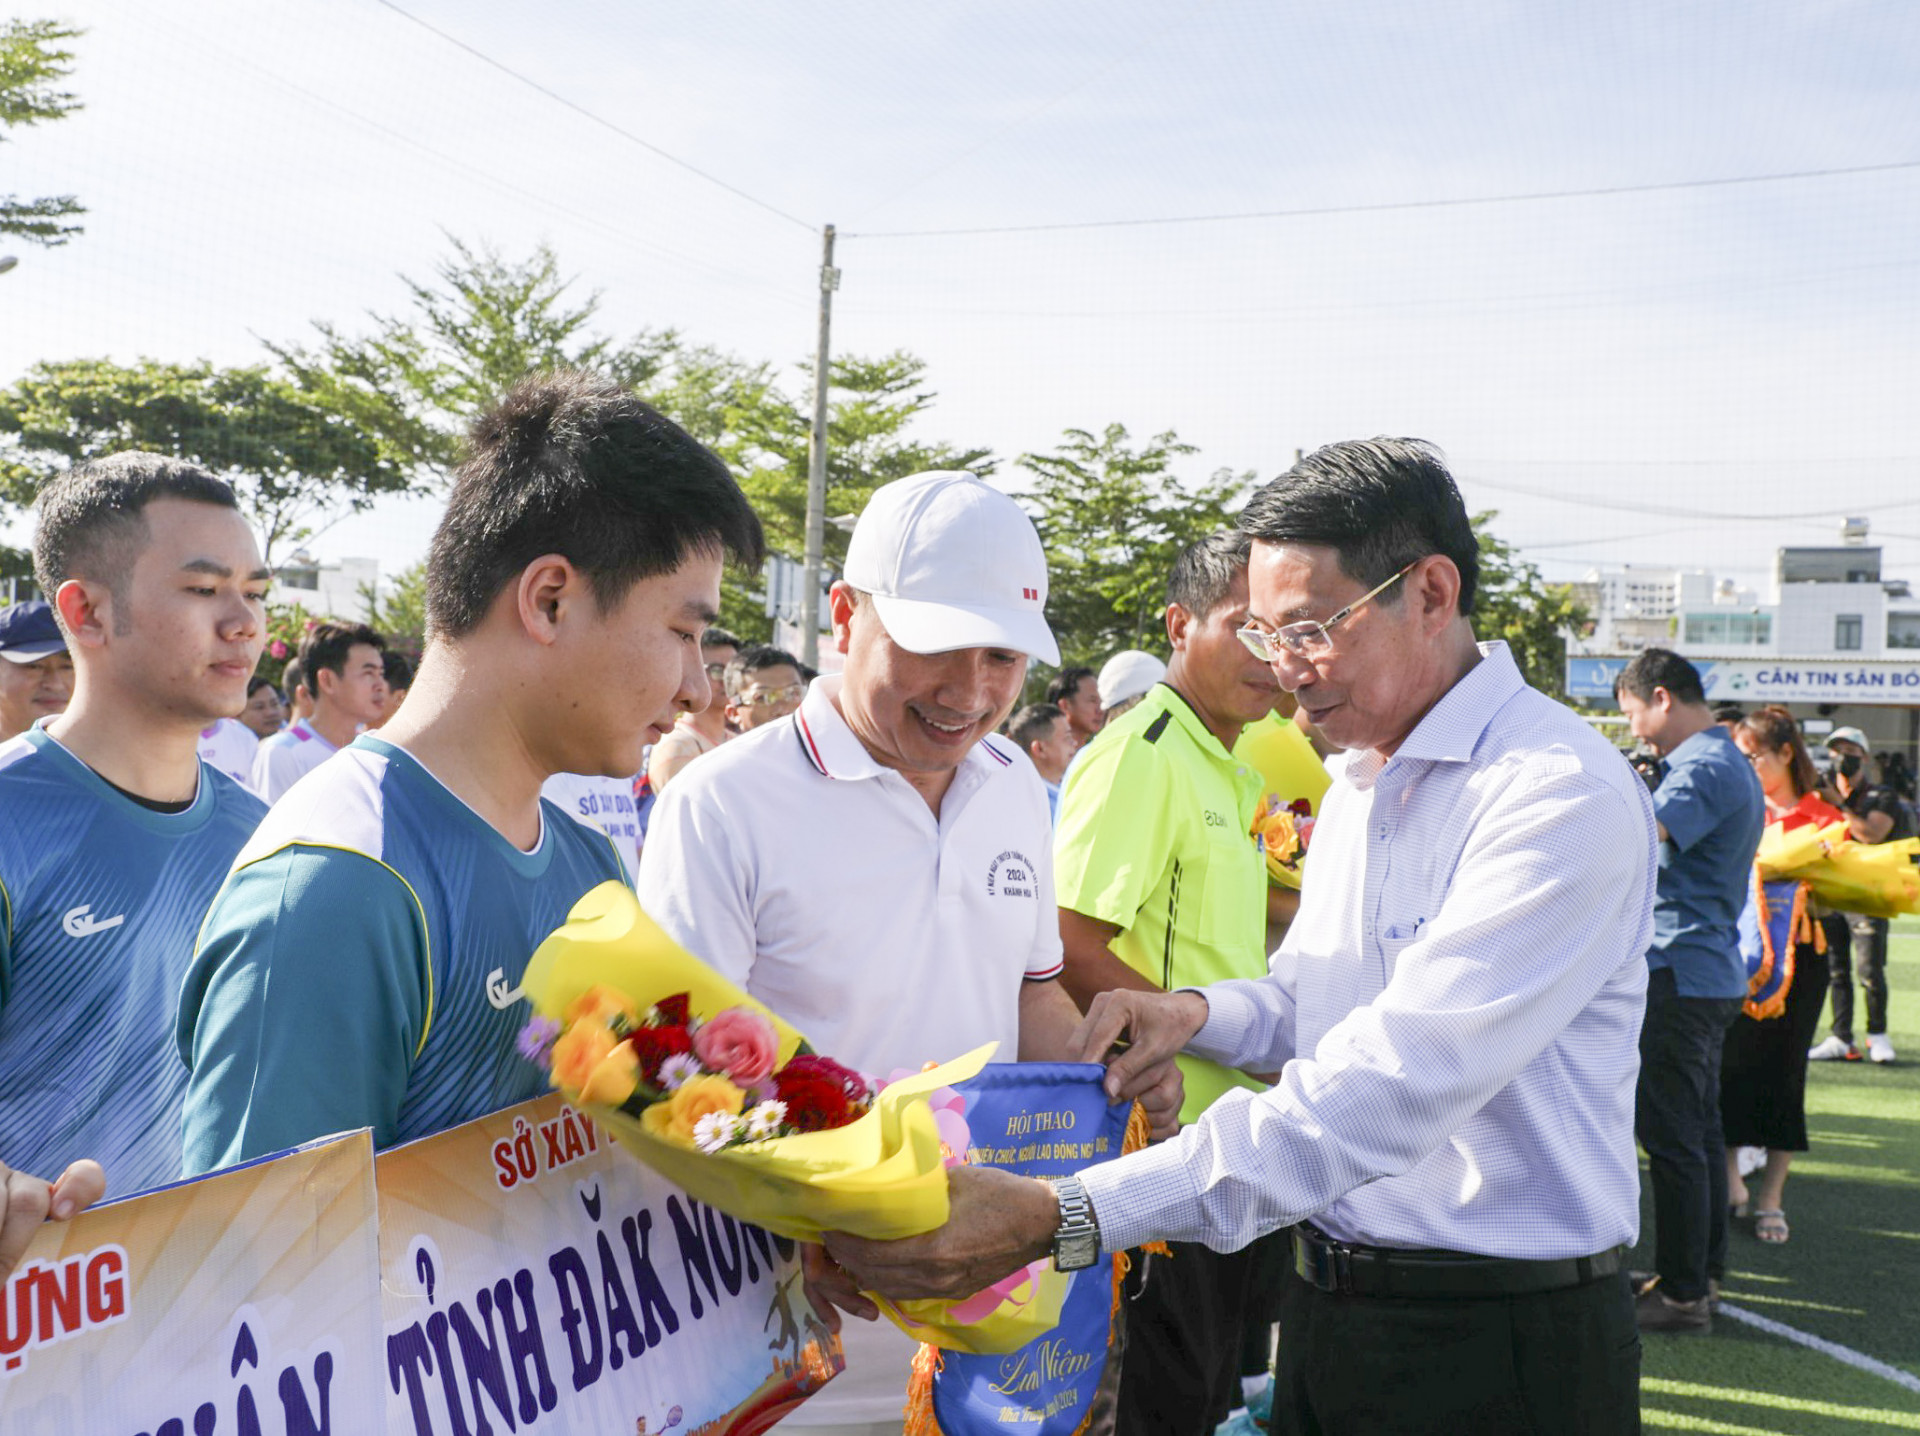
[
  {"x": 360, "y": 968},
  {"x": 114, "y": 836}
]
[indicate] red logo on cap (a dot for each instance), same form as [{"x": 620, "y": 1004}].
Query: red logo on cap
[{"x": 1032, "y": 593}]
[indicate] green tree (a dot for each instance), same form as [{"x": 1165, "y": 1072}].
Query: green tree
[
  {"x": 401, "y": 615},
  {"x": 296, "y": 465},
  {"x": 1112, "y": 517},
  {"x": 32, "y": 63},
  {"x": 1514, "y": 604},
  {"x": 480, "y": 326}
]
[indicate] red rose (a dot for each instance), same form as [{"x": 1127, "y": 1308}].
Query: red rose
[
  {"x": 811, "y": 1064},
  {"x": 815, "y": 1103},
  {"x": 676, "y": 1009},
  {"x": 654, "y": 1045}
]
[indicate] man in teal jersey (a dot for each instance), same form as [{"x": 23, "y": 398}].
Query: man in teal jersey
[
  {"x": 361, "y": 966},
  {"x": 114, "y": 836}
]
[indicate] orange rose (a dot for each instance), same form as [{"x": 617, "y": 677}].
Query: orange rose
[
  {"x": 613, "y": 1080},
  {"x": 599, "y": 1004},
  {"x": 577, "y": 1051},
  {"x": 673, "y": 1119}
]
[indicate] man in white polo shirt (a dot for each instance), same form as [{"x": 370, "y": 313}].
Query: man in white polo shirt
[{"x": 878, "y": 867}]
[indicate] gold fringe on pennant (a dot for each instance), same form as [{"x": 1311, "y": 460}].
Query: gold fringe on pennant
[
  {"x": 917, "y": 1418},
  {"x": 1800, "y": 928}
]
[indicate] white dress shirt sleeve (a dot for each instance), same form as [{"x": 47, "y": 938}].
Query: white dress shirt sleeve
[
  {"x": 1551, "y": 887},
  {"x": 696, "y": 880}
]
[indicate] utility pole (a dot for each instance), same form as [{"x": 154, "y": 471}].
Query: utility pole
[{"x": 817, "y": 466}]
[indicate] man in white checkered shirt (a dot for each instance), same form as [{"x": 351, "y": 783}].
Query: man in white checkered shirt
[{"x": 1454, "y": 1014}]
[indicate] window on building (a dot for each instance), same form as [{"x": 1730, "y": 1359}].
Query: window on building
[
  {"x": 1847, "y": 628},
  {"x": 1747, "y": 630},
  {"x": 1903, "y": 630}
]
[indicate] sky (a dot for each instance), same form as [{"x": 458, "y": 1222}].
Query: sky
[{"x": 1653, "y": 367}]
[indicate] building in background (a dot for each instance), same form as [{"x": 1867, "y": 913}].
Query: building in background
[
  {"x": 1833, "y": 638},
  {"x": 328, "y": 588}
]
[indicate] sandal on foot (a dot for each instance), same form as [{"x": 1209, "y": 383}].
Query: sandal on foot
[{"x": 1770, "y": 1225}]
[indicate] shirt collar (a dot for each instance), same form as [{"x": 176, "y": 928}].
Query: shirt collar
[
  {"x": 1174, "y": 702},
  {"x": 832, "y": 749},
  {"x": 1453, "y": 727}
]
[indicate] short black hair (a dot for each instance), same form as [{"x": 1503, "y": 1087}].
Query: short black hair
[
  {"x": 714, "y": 636},
  {"x": 1033, "y": 723},
  {"x": 1380, "y": 504},
  {"x": 1066, "y": 683},
  {"x": 399, "y": 672},
  {"x": 291, "y": 677},
  {"x": 257, "y": 682},
  {"x": 327, "y": 646},
  {"x": 754, "y": 659},
  {"x": 572, "y": 463},
  {"x": 1203, "y": 574},
  {"x": 1728, "y": 713},
  {"x": 1653, "y": 668},
  {"x": 93, "y": 522}
]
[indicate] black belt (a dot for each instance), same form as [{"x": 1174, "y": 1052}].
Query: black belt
[{"x": 1389, "y": 1271}]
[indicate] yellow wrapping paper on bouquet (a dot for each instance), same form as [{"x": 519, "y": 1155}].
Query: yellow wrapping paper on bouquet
[
  {"x": 882, "y": 1176},
  {"x": 1873, "y": 879}
]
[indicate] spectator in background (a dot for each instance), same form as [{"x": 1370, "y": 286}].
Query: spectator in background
[
  {"x": 345, "y": 668},
  {"x": 264, "y": 714},
  {"x": 1076, "y": 692},
  {"x": 1709, "y": 812},
  {"x": 1763, "y": 1073},
  {"x": 294, "y": 690},
  {"x": 398, "y": 892},
  {"x": 36, "y": 678},
  {"x": 114, "y": 836},
  {"x": 1728, "y": 715},
  {"x": 399, "y": 675},
  {"x": 1125, "y": 679},
  {"x": 1160, "y": 885},
  {"x": 1874, "y": 814},
  {"x": 703, "y": 729},
  {"x": 1045, "y": 734},
  {"x": 762, "y": 684}
]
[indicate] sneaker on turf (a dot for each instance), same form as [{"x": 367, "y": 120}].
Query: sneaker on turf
[
  {"x": 1241, "y": 1423},
  {"x": 1834, "y": 1049},
  {"x": 1878, "y": 1048}
]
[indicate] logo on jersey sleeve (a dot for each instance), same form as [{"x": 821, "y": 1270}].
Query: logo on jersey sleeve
[{"x": 80, "y": 922}]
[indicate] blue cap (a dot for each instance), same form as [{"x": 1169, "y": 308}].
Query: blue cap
[{"x": 28, "y": 632}]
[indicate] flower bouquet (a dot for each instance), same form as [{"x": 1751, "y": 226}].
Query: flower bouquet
[
  {"x": 713, "y": 1091},
  {"x": 1284, "y": 832},
  {"x": 1874, "y": 879}
]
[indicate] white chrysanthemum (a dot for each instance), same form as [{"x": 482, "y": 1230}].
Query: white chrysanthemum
[
  {"x": 764, "y": 1120},
  {"x": 715, "y": 1131},
  {"x": 677, "y": 1069}
]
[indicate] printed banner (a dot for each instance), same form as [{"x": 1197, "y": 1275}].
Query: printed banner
[
  {"x": 536, "y": 1278},
  {"x": 1768, "y": 681},
  {"x": 1040, "y": 1119},
  {"x": 245, "y": 1302}
]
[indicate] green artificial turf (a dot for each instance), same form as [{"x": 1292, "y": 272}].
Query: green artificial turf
[{"x": 1850, "y": 1273}]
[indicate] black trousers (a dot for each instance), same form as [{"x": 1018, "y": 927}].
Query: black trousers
[
  {"x": 1867, "y": 952},
  {"x": 1186, "y": 1322},
  {"x": 1566, "y": 1362},
  {"x": 1677, "y": 1119}
]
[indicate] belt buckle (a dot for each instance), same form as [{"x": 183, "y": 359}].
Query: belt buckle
[{"x": 1332, "y": 1265}]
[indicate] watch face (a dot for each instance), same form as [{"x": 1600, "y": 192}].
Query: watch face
[{"x": 1075, "y": 1252}]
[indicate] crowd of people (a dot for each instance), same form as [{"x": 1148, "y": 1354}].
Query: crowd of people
[{"x": 1394, "y": 1091}]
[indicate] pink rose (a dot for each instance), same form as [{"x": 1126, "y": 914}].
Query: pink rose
[
  {"x": 277, "y": 649},
  {"x": 738, "y": 1042}
]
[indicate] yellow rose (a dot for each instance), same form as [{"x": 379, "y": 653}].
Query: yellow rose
[
  {"x": 599, "y": 1004},
  {"x": 613, "y": 1080},
  {"x": 577, "y": 1051},
  {"x": 673, "y": 1119}
]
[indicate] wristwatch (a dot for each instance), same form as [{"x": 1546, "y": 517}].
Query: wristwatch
[{"x": 1076, "y": 1241}]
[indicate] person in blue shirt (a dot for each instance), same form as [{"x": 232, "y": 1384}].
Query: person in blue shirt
[
  {"x": 114, "y": 836},
  {"x": 361, "y": 966},
  {"x": 1710, "y": 812},
  {"x": 1042, "y": 732}
]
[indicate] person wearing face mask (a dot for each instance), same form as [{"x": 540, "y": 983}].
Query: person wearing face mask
[
  {"x": 1874, "y": 814},
  {"x": 877, "y": 867}
]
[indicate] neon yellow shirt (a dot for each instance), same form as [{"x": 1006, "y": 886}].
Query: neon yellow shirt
[{"x": 1154, "y": 835}]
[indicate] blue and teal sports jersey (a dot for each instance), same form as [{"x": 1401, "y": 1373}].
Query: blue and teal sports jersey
[
  {"x": 102, "y": 898},
  {"x": 361, "y": 966}
]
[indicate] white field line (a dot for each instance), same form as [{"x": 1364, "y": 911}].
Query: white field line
[{"x": 1858, "y": 1360}]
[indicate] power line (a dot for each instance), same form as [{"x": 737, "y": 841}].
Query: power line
[
  {"x": 1391, "y": 205},
  {"x": 1635, "y": 506},
  {"x": 604, "y": 124}
]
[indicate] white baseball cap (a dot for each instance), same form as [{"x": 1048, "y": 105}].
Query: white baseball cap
[
  {"x": 1849, "y": 735},
  {"x": 1128, "y": 674},
  {"x": 952, "y": 563}
]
